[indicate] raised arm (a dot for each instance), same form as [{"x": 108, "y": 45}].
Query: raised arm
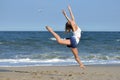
[
  {"x": 71, "y": 20},
  {"x": 71, "y": 14},
  {"x": 64, "y": 13}
]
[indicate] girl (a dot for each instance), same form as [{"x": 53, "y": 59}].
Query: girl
[{"x": 73, "y": 41}]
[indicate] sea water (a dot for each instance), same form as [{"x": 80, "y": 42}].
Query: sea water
[{"x": 34, "y": 48}]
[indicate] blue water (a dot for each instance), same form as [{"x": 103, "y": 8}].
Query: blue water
[{"x": 41, "y": 49}]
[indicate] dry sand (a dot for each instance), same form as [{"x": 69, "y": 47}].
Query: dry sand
[{"x": 61, "y": 73}]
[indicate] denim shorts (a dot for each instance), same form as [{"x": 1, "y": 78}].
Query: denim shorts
[{"x": 73, "y": 42}]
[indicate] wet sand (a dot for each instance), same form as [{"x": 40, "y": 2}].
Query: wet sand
[{"x": 99, "y": 72}]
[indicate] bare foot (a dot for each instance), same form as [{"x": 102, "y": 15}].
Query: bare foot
[
  {"x": 49, "y": 28},
  {"x": 82, "y": 66}
]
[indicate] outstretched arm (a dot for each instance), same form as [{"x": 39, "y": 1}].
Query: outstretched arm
[
  {"x": 70, "y": 20},
  {"x": 64, "y": 13},
  {"x": 71, "y": 14}
]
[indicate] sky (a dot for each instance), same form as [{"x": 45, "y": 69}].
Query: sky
[{"x": 34, "y": 15}]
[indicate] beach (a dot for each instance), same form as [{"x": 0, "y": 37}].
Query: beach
[
  {"x": 92, "y": 72},
  {"x": 37, "y": 56}
]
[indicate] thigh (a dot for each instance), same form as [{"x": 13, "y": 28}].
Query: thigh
[
  {"x": 65, "y": 41},
  {"x": 75, "y": 51}
]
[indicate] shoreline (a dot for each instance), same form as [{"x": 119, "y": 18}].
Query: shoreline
[
  {"x": 63, "y": 65},
  {"x": 92, "y": 72}
]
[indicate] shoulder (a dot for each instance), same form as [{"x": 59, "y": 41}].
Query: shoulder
[{"x": 76, "y": 27}]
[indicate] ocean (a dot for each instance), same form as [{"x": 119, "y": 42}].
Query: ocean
[{"x": 34, "y": 48}]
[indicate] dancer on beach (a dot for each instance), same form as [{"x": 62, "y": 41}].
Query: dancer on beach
[{"x": 73, "y": 41}]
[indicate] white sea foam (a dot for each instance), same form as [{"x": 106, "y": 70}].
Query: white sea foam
[
  {"x": 51, "y": 62},
  {"x": 118, "y": 40},
  {"x": 36, "y": 60},
  {"x": 53, "y": 39}
]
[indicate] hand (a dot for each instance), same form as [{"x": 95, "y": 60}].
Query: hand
[
  {"x": 63, "y": 11},
  {"x": 69, "y": 7},
  {"x": 49, "y": 28}
]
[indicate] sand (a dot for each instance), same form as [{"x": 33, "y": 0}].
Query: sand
[{"x": 99, "y": 72}]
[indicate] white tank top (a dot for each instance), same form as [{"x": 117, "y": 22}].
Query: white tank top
[{"x": 77, "y": 34}]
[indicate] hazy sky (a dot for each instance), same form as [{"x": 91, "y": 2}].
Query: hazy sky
[{"x": 34, "y": 15}]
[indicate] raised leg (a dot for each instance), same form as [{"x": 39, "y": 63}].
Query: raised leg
[{"x": 58, "y": 38}]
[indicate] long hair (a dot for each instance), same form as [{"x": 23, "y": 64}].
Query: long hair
[{"x": 68, "y": 27}]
